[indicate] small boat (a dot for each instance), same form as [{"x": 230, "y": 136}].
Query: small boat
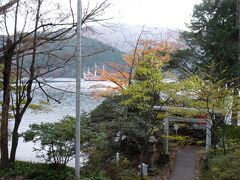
[{"x": 88, "y": 76}]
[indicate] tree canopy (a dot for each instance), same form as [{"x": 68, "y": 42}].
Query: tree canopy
[{"x": 212, "y": 39}]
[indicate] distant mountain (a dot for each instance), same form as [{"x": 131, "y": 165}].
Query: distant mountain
[
  {"x": 93, "y": 52},
  {"x": 123, "y": 36},
  {"x": 53, "y": 55},
  {"x": 105, "y": 46}
]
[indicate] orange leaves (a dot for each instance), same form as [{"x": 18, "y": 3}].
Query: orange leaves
[
  {"x": 123, "y": 75},
  {"x": 118, "y": 74},
  {"x": 161, "y": 49}
]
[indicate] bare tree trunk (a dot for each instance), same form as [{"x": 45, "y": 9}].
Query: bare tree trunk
[
  {"x": 20, "y": 112},
  {"x": 15, "y": 137},
  {"x": 237, "y": 80},
  {"x": 238, "y": 60},
  {"x": 235, "y": 105},
  {"x": 6, "y": 103}
]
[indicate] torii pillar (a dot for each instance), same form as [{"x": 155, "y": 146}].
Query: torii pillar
[{"x": 208, "y": 132}]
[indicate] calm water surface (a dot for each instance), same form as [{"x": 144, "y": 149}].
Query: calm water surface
[{"x": 58, "y": 111}]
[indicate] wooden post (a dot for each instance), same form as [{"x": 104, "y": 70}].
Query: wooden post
[
  {"x": 166, "y": 133},
  {"x": 208, "y": 134}
]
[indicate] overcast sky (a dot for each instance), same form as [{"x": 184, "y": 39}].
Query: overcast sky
[
  {"x": 172, "y": 14},
  {"x": 156, "y": 13}
]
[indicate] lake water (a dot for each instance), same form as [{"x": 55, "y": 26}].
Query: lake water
[{"x": 58, "y": 111}]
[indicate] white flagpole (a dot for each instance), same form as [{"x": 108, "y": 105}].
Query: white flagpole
[{"x": 78, "y": 90}]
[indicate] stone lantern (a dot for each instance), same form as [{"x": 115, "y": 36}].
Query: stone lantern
[{"x": 151, "y": 155}]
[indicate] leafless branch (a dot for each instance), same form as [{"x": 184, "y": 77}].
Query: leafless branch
[{"x": 6, "y": 6}]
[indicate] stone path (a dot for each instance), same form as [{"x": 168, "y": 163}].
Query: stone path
[{"x": 185, "y": 165}]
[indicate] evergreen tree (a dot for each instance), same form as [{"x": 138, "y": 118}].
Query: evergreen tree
[{"x": 213, "y": 42}]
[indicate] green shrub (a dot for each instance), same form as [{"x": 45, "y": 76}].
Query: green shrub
[
  {"x": 57, "y": 140},
  {"x": 93, "y": 176},
  {"x": 184, "y": 140},
  {"x": 232, "y": 132},
  {"x": 41, "y": 171},
  {"x": 38, "y": 171},
  {"x": 124, "y": 171},
  {"x": 222, "y": 167}
]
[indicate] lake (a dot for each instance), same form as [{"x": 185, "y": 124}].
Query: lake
[{"x": 58, "y": 111}]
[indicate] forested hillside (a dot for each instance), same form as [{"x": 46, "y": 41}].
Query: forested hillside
[
  {"x": 93, "y": 51},
  {"x": 61, "y": 56}
]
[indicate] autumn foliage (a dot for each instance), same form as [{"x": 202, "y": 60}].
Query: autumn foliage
[{"x": 123, "y": 75}]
